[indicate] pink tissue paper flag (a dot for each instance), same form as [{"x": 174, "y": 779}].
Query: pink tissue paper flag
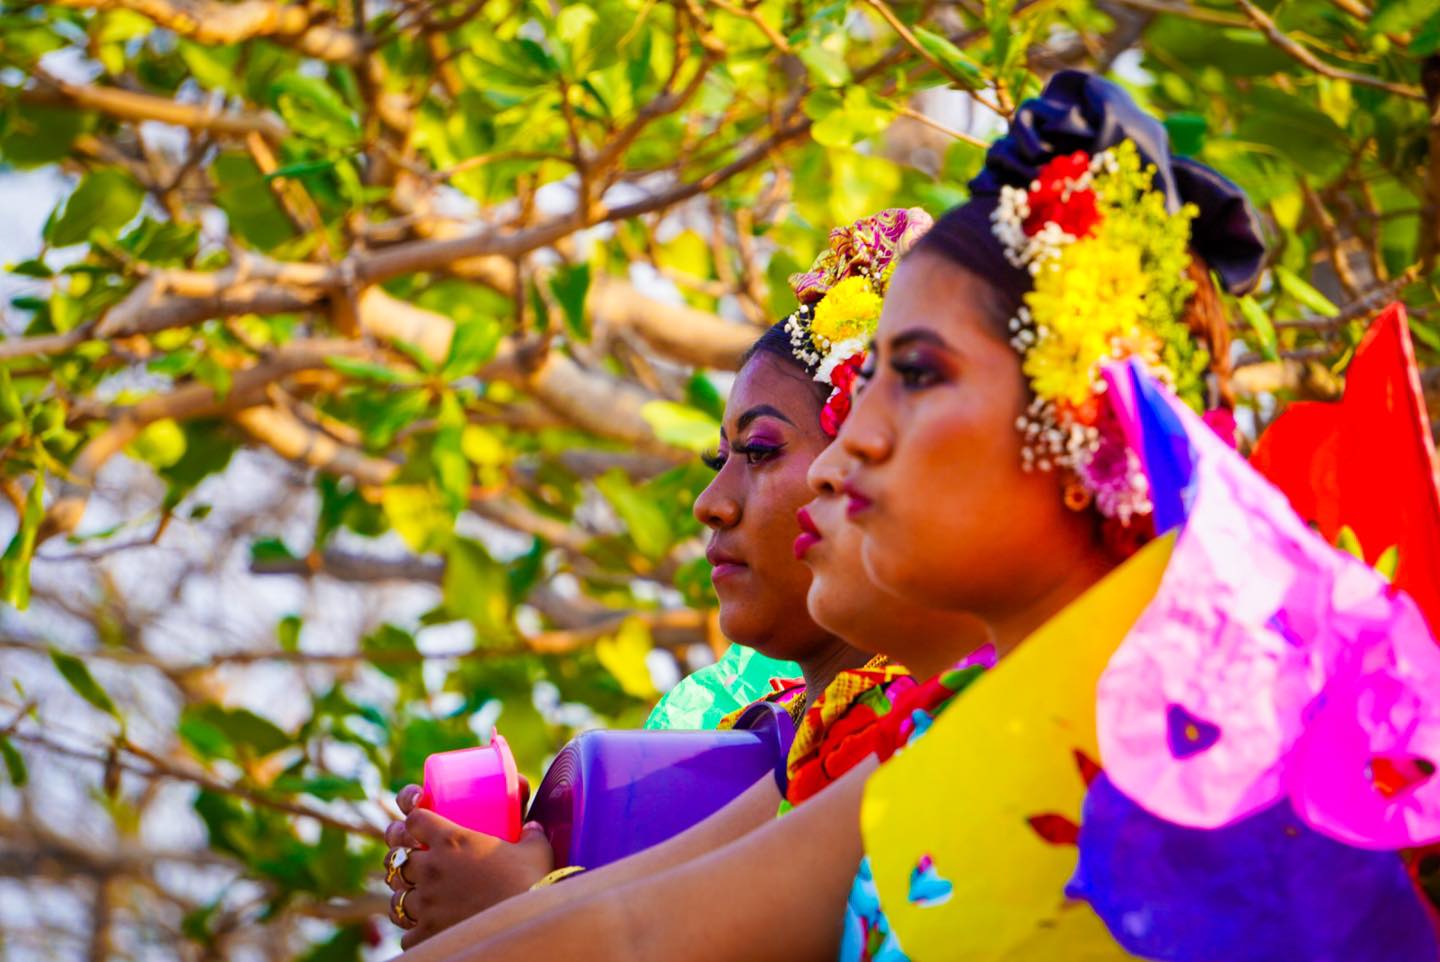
[{"x": 1258, "y": 629}]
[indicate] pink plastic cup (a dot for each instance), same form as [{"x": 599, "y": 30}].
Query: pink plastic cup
[{"x": 476, "y": 788}]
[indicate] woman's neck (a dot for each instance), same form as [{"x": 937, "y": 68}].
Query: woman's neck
[
  {"x": 1012, "y": 627},
  {"x": 820, "y": 669}
]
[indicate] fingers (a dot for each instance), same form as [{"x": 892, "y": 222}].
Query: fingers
[
  {"x": 399, "y": 873},
  {"x": 402, "y": 914},
  {"x": 397, "y": 837},
  {"x": 524, "y": 793},
  {"x": 429, "y": 829},
  {"x": 408, "y": 797}
]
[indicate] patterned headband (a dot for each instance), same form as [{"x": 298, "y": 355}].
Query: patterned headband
[{"x": 840, "y": 298}]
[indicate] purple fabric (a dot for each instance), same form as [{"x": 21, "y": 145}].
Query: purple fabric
[{"x": 1263, "y": 889}]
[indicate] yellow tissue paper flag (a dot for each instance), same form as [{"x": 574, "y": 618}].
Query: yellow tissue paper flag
[{"x": 1003, "y": 754}]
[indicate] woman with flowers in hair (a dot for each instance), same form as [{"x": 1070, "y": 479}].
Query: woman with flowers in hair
[
  {"x": 1208, "y": 734},
  {"x": 784, "y": 407}
]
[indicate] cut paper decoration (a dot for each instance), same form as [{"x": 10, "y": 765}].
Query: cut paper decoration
[
  {"x": 741, "y": 676},
  {"x": 926, "y": 885},
  {"x": 1006, "y": 751},
  {"x": 1364, "y": 769},
  {"x": 1263, "y": 630},
  {"x": 1264, "y": 888},
  {"x": 1189, "y": 735},
  {"x": 1367, "y": 463}
]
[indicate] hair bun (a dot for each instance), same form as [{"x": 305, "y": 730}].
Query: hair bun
[{"x": 1080, "y": 111}]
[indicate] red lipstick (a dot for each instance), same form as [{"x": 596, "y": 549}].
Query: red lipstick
[{"x": 809, "y": 534}]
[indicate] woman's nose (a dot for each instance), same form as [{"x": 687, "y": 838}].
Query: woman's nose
[
  {"x": 827, "y": 472},
  {"x": 717, "y": 508}
]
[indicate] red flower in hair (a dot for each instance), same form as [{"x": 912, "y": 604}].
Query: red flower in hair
[
  {"x": 837, "y": 408},
  {"x": 1055, "y": 198}
]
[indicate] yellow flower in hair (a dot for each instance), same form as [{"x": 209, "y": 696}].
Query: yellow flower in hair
[
  {"x": 1089, "y": 298},
  {"x": 849, "y": 309}
]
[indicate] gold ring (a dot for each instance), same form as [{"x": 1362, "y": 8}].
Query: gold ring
[
  {"x": 395, "y": 865},
  {"x": 402, "y": 916}
]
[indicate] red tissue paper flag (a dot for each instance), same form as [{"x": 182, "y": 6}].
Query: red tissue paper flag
[{"x": 1368, "y": 462}]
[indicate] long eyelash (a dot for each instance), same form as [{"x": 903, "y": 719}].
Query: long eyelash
[
  {"x": 755, "y": 453},
  {"x": 713, "y": 460}
]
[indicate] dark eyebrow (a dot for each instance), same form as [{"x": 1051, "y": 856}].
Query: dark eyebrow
[
  {"x": 916, "y": 335},
  {"x": 760, "y": 411}
]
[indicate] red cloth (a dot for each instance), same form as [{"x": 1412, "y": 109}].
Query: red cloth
[{"x": 1368, "y": 462}]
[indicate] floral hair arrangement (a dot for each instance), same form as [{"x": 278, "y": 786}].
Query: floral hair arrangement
[
  {"x": 840, "y": 299},
  {"x": 1109, "y": 262},
  {"x": 1085, "y": 224}
]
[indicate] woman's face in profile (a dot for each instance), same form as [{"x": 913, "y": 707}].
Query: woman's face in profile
[
  {"x": 947, "y": 515},
  {"x": 770, "y": 435}
]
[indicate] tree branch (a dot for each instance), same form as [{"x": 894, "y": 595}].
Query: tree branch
[
  {"x": 226, "y": 23},
  {"x": 139, "y": 107},
  {"x": 190, "y": 401},
  {"x": 292, "y": 439},
  {"x": 1293, "y": 49},
  {"x": 157, "y": 767}
]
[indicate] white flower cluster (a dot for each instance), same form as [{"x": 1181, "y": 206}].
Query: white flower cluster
[
  {"x": 837, "y": 355},
  {"x": 1050, "y": 445},
  {"x": 797, "y": 325}
]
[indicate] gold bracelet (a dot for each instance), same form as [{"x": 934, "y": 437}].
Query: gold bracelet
[{"x": 557, "y": 875}]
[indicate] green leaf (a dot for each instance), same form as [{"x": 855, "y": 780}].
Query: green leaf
[
  {"x": 369, "y": 371},
  {"x": 287, "y": 632},
  {"x": 15, "y": 563},
  {"x": 1301, "y": 290},
  {"x": 418, "y": 513},
  {"x": 314, "y": 110},
  {"x": 681, "y": 426},
  {"x": 1187, "y": 132},
  {"x": 11, "y": 408},
  {"x": 569, "y": 285},
  {"x": 327, "y": 788},
  {"x": 14, "y": 764},
  {"x": 1400, "y": 16},
  {"x": 212, "y": 66},
  {"x": 703, "y": 395},
  {"x": 162, "y": 242},
  {"x": 860, "y": 116},
  {"x": 391, "y": 640},
  {"x": 477, "y": 588},
  {"x": 161, "y": 444},
  {"x": 452, "y": 470},
  {"x": 37, "y": 135},
  {"x": 241, "y": 192},
  {"x": 270, "y": 549},
  {"x": 646, "y": 522},
  {"x": 238, "y": 727},
  {"x": 623, "y": 655},
  {"x": 1260, "y": 323},
  {"x": 34, "y": 267},
  {"x": 524, "y": 572},
  {"x": 1296, "y": 130},
  {"x": 73, "y": 670},
  {"x": 472, "y": 344},
  {"x": 960, "y": 68},
  {"x": 826, "y": 65},
  {"x": 106, "y": 200}
]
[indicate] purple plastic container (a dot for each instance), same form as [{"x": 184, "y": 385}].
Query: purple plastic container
[{"x": 610, "y": 794}]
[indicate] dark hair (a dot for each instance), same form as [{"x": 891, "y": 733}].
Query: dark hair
[{"x": 775, "y": 342}]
